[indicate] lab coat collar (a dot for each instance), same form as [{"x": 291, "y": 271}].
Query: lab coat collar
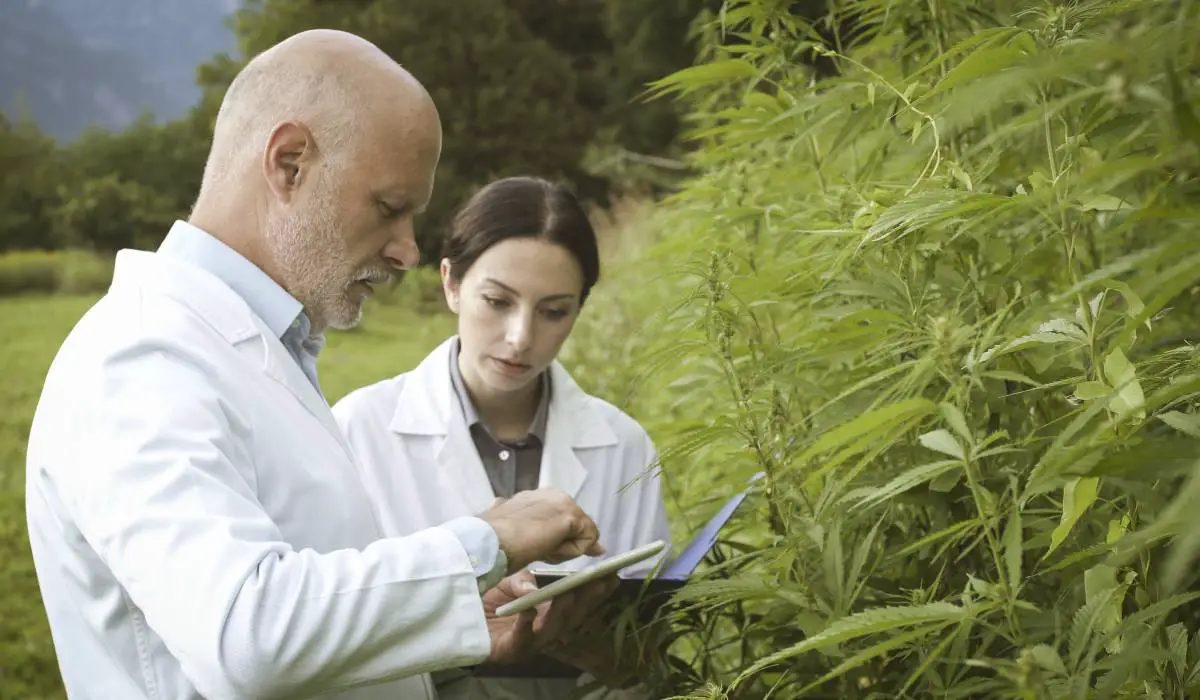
[
  {"x": 425, "y": 407},
  {"x": 226, "y": 312},
  {"x": 273, "y": 304}
]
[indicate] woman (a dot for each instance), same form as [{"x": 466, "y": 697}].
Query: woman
[{"x": 491, "y": 412}]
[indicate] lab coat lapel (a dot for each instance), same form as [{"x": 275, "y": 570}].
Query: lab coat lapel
[
  {"x": 573, "y": 429},
  {"x": 230, "y": 316},
  {"x": 426, "y": 407},
  {"x": 280, "y": 366}
]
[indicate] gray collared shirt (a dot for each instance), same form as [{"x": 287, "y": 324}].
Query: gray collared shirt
[{"x": 510, "y": 466}]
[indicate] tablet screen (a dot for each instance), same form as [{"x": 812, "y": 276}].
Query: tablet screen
[{"x": 576, "y": 579}]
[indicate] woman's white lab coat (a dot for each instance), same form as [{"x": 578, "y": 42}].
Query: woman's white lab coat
[
  {"x": 198, "y": 524},
  {"x": 422, "y": 469}
]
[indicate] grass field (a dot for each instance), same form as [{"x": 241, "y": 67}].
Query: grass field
[{"x": 391, "y": 339}]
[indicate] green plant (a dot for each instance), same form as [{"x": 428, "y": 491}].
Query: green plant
[{"x": 946, "y": 301}]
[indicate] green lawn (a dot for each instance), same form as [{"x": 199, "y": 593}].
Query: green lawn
[{"x": 392, "y": 339}]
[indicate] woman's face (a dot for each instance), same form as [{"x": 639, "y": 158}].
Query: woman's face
[{"x": 516, "y": 306}]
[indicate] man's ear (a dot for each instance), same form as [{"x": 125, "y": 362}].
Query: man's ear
[
  {"x": 449, "y": 287},
  {"x": 288, "y": 158}
]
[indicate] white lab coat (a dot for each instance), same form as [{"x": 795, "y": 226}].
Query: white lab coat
[
  {"x": 199, "y": 527},
  {"x": 422, "y": 468}
]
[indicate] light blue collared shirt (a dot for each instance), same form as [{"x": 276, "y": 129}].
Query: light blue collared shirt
[
  {"x": 284, "y": 315},
  {"x": 282, "y": 312}
]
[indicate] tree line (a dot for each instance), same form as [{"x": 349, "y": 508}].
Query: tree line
[{"x": 547, "y": 86}]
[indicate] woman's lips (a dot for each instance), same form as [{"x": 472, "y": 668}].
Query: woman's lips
[{"x": 509, "y": 367}]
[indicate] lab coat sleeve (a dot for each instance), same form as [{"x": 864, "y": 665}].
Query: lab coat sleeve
[
  {"x": 644, "y": 507},
  {"x": 361, "y": 416},
  {"x": 160, "y": 482}
]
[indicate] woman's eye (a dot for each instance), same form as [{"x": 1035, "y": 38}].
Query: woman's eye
[
  {"x": 495, "y": 303},
  {"x": 555, "y": 314}
]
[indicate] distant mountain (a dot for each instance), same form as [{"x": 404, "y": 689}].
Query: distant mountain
[{"x": 78, "y": 62}]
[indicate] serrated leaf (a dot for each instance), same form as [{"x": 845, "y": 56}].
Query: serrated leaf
[
  {"x": 1011, "y": 377},
  {"x": 1045, "y": 334},
  {"x": 923, "y": 209},
  {"x": 834, "y": 563},
  {"x": 942, "y": 441},
  {"x": 1186, "y": 423},
  {"x": 1048, "y": 659},
  {"x": 946, "y": 481},
  {"x": 1121, "y": 376},
  {"x": 861, "y": 624},
  {"x": 980, "y": 63},
  {"x": 1013, "y": 548},
  {"x": 1078, "y": 496},
  {"x": 1177, "y": 643},
  {"x": 1090, "y": 390},
  {"x": 954, "y": 418},
  {"x": 868, "y": 424},
  {"x": 1099, "y": 582},
  {"x": 1086, "y": 621},
  {"x": 872, "y": 652},
  {"x": 1168, "y": 285},
  {"x": 1117, "y": 529},
  {"x": 694, "y": 77},
  {"x": 954, "y": 531},
  {"x": 909, "y": 479},
  {"x": 1102, "y": 202},
  {"x": 1062, "y": 325}
]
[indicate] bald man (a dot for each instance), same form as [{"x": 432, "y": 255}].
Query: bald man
[{"x": 198, "y": 526}]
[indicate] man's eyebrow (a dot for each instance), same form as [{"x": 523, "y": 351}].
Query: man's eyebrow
[{"x": 551, "y": 297}]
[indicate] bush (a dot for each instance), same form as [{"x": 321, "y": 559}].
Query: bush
[
  {"x": 946, "y": 302},
  {"x": 66, "y": 271},
  {"x": 107, "y": 214}
]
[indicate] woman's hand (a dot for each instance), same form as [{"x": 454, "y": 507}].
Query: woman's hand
[
  {"x": 593, "y": 649},
  {"x": 551, "y": 625}
]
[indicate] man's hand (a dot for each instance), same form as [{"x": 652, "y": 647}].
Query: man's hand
[
  {"x": 542, "y": 525},
  {"x": 550, "y": 626}
]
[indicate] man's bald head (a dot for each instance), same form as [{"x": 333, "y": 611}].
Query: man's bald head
[
  {"x": 323, "y": 150},
  {"x": 329, "y": 80}
]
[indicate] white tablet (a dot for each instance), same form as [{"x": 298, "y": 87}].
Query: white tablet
[{"x": 575, "y": 579}]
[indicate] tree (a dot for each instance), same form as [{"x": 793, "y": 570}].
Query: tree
[
  {"x": 29, "y": 167},
  {"x": 167, "y": 158},
  {"x": 108, "y": 213},
  {"x": 506, "y": 98}
]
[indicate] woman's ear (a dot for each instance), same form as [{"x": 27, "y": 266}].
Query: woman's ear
[{"x": 449, "y": 287}]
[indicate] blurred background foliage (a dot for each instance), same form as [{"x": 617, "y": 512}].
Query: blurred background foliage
[{"x": 930, "y": 266}]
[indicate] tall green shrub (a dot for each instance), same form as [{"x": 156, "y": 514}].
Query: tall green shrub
[{"x": 946, "y": 301}]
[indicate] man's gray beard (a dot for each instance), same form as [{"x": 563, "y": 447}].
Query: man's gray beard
[{"x": 311, "y": 258}]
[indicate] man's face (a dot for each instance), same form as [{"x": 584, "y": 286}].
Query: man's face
[{"x": 353, "y": 227}]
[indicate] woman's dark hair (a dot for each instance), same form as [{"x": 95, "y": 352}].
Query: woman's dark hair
[{"x": 517, "y": 207}]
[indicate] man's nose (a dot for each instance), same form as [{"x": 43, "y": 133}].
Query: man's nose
[{"x": 402, "y": 250}]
